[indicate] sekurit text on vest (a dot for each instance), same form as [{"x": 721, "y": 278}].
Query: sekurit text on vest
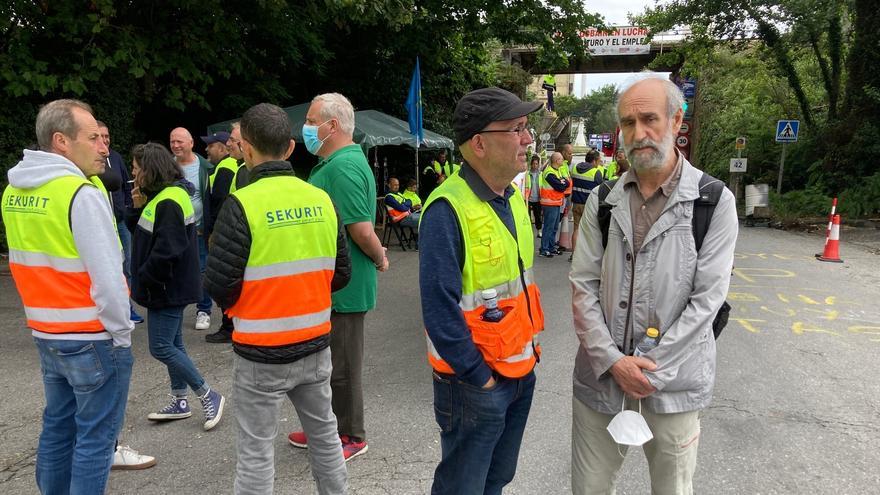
[
  {"x": 289, "y": 217},
  {"x": 26, "y": 204}
]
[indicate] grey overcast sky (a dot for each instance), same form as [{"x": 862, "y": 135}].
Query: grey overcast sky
[{"x": 615, "y": 11}]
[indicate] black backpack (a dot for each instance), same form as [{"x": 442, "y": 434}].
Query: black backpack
[{"x": 704, "y": 207}]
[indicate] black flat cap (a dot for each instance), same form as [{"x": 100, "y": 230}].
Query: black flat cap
[{"x": 480, "y": 107}]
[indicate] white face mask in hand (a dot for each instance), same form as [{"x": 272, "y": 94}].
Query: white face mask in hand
[{"x": 629, "y": 427}]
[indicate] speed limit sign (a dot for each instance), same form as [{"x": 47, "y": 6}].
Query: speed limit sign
[{"x": 681, "y": 141}]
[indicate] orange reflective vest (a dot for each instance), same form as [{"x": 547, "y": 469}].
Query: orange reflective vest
[
  {"x": 285, "y": 295},
  {"x": 494, "y": 259},
  {"x": 51, "y": 279},
  {"x": 396, "y": 215},
  {"x": 550, "y": 196}
]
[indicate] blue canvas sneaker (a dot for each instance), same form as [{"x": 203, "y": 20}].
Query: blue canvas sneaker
[
  {"x": 212, "y": 403},
  {"x": 178, "y": 408}
]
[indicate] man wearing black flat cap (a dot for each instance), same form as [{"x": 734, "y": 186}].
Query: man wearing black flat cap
[{"x": 480, "y": 304}]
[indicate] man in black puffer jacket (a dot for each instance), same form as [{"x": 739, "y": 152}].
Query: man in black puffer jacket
[{"x": 279, "y": 250}]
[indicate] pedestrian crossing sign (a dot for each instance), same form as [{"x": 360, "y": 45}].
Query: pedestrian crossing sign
[{"x": 787, "y": 131}]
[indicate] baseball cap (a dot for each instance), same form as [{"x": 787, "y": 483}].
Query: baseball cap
[
  {"x": 217, "y": 137},
  {"x": 481, "y": 107}
]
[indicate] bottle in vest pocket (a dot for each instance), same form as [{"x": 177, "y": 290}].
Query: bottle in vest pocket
[
  {"x": 492, "y": 313},
  {"x": 652, "y": 338}
]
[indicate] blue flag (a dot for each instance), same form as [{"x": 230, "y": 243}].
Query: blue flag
[{"x": 414, "y": 105}]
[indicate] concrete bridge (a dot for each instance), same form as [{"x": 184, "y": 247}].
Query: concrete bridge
[{"x": 526, "y": 56}]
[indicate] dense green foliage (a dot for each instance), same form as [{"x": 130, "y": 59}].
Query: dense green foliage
[
  {"x": 763, "y": 60},
  {"x": 149, "y": 66},
  {"x": 596, "y": 108}
]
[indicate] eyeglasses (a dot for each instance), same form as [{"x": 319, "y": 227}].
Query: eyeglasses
[{"x": 519, "y": 131}]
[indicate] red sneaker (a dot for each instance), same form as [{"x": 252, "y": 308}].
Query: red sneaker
[
  {"x": 298, "y": 439},
  {"x": 352, "y": 449}
]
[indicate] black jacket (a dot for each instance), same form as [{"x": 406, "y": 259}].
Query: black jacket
[
  {"x": 115, "y": 179},
  {"x": 219, "y": 192},
  {"x": 227, "y": 258},
  {"x": 165, "y": 263}
]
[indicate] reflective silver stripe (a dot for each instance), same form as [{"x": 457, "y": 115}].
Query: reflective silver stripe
[
  {"x": 527, "y": 353},
  {"x": 57, "y": 315},
  {"x": 432, "y": 349},
  {"x": 272, "y": 325},
  {"x": 30, "y": 258},
  {"x": 145, "y": 224},
  {"x": 507, "y": 290},
  {"x": 580, "y": 189},
  {"x": 289, "y": 268}
]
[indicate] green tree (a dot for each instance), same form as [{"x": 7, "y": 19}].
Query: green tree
[
  {"x": 827, "y": 51},
  {"x": 599, "y": 110}
]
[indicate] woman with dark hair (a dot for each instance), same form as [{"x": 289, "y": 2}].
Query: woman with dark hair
[{"x": 166, "y": 276}]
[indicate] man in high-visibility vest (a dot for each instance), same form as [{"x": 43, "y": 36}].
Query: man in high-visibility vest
[
  {"x": 411, "y": 193},
  {"x": 432, "y": 175},
  {"x": 224, "y": 181},
  {"x": 400, "y": 209},
  {"x": 585, "y": 177},
  {"x": 476, "y": 242},
  {"x": 278, "y": 251},
  {"x": 553, "y": 187},
  {"x": 616, "y": 168},
  {"x": 66, "y": 260}
]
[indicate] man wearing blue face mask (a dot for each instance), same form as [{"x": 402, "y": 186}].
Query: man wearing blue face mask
[{"x": 343, "y": 172}]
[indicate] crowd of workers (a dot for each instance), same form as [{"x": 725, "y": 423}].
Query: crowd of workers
[{"x": 293, "y": 266}]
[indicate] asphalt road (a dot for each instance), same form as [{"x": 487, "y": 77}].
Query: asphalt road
[{"x": 795, "y": 408}]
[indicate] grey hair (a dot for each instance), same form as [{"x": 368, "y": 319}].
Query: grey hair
[
  {"x": 57, "y": 116},
  {"x": 337, "y": 106},
  {"x": 674, "y": 96},
  {"x": 235, "y": 125}
]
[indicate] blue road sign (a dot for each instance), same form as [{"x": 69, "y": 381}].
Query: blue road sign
[{"x": 787, "y": 131}]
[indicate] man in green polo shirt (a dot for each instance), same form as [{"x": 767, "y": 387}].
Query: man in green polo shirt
[{"x": 343, "y": 172}]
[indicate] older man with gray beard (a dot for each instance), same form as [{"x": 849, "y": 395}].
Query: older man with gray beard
[{"x": 650, "y": 274}]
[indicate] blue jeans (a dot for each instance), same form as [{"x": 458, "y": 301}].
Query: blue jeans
[
  {"x": 86, "y": 386},
  {"x": 412, "y": 220},
  {"x": 548, "y": 232},
  {"x": 205, "y": 303},
  {"x": 164, "y": 327},
  {"x": 480, "y": 433}
]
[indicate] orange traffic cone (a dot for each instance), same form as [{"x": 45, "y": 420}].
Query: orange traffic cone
[
  {"x": 831, "y": 247},
  {"x": 830, "y": 222}
]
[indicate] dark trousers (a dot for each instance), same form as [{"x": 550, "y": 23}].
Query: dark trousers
[
  {"x": 537, "y": 212},
  {"x": 480, "y": 433},
  {"x": 347, "y": 353}
]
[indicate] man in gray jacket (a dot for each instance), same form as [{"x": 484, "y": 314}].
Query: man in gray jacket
[{"x": 649, "y": 275}]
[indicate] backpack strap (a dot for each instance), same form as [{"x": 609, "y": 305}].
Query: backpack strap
[
  {"x": 603, "y": 214},
  {"x": 704, "y": 207}
]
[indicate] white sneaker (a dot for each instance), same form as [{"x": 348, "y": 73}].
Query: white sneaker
[
  {"x": 128, "y": 459},
  {"x": 203, "y": 321}
]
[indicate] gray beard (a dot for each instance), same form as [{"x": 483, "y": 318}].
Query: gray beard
[{"x": 654, "y": 160}]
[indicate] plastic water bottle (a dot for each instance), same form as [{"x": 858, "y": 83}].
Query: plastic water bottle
[
  {"x": 490, "y": 300},
  {"x": 652, "y": 338}
]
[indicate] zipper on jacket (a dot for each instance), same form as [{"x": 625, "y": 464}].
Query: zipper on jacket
[
  {"x": 627, "y": 334},
  {"x": 522, "y": 279}
]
